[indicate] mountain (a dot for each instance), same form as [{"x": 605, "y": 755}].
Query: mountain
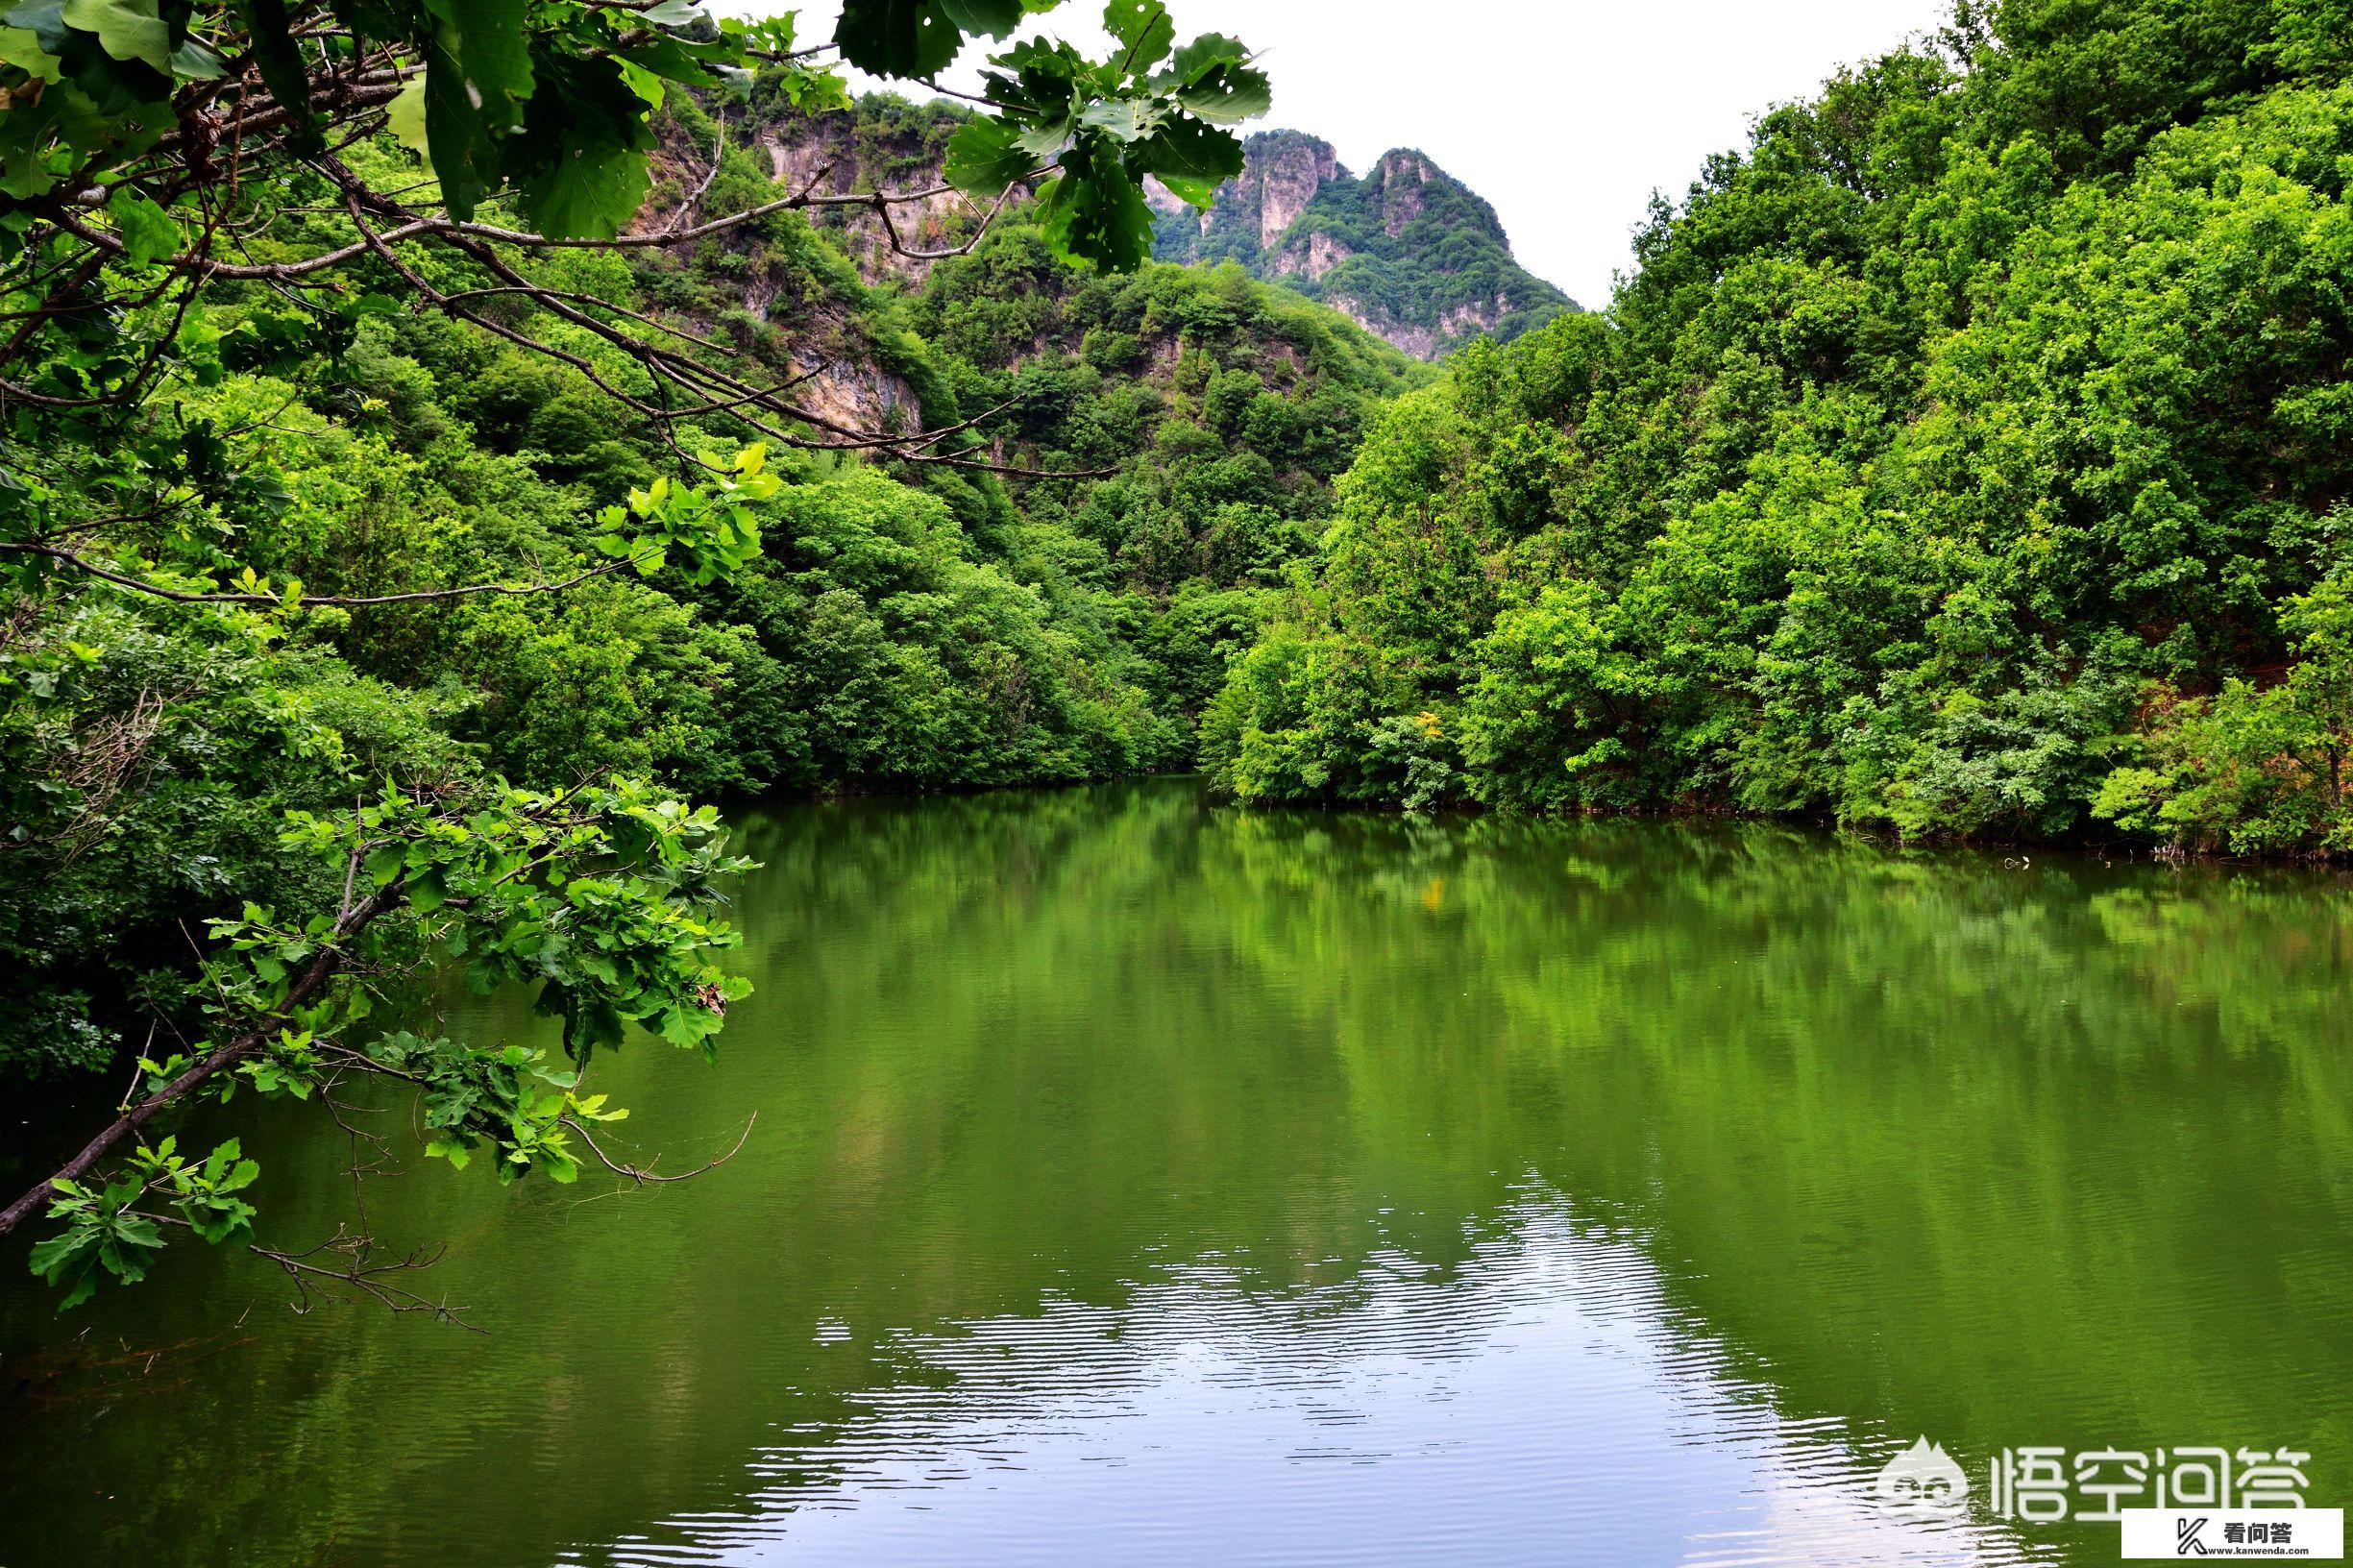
[
  {"x": 1408, "y": 251},
  {"x": 1005, "y": 322}
]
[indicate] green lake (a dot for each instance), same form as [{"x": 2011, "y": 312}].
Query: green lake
[{"x": 1140, "y": 1179}]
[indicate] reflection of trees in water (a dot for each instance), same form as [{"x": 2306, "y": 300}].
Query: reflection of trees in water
[
  {"x": 2053, "y": 1153},
  {"x": 1997, "y": 1147}
]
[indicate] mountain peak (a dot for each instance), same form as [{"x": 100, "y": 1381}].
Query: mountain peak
[{"x": 1408, "y": 251}]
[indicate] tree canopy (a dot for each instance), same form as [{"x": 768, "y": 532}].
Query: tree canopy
[{"x": 1966, "y": 458}]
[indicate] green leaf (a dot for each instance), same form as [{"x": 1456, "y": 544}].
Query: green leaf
[
  {"x": 126, "y": 29},
  {"x": 580, "y": 164},
  {"x": 1045, "y": 140},
  {"x": 459, "y": 145},
  {"x": 138, "y": 1231},
  {"x": 594, "y": 194},
  {"x": 644, "y": 83},
  {"x": 21, "y": 47},
  {"x": 1123, "y": 119},
  {"x": 1144, "y": 29},
  {"x": 917, "y": 37},
  {"x": 1197, "y": 58},
  {"x": 425, "y": 892},
  {"x": 40, "y": 142},
  {"x": 149, "y": 234},
  {"x": 1192, "y": 159},
  {"x": 493, "y": 52},
  {"x": 994, "y": 17},
  {"x": 280, "y": 60},
  {"x": 196, "y": 61},
  {"x": 984, "y": 156},
  {"x": 477, "y": 77},
  {"x": 1229, "y": 93},
  {"x": 404, "y": 118},
  {"x": 221, "y": 1222},
  {"x": 1200, "y": 193},
  {"x": 1097, "y": 212},
  {"x": 50, "y": 1258}
]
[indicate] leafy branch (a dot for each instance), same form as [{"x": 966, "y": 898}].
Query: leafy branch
[
  {"x": 709, "y": 528},
  {"x": 136, "y": 130},
  {"x": 603, "y": 897}
]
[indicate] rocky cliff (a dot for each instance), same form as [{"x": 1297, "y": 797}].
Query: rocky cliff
[{"x": 1406, "y": 250}]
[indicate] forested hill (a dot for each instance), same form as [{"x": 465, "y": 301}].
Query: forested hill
[
  {"x": 1970, "y": 455},
  {"x": 1407, "y": 251},
  {"x": 1049, "y": 595}
]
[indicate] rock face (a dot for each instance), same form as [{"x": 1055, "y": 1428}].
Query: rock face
[
  {"x": 802, "y": 313},
  {"x": 886, "y": 144},
  {"x": 1408, "y": 249},
  {"x": 1283, "y": 174}
]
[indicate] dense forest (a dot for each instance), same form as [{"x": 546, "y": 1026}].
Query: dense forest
[
  {"x": 903, "y": 626},
  {"x": 440, "y": 449},
  {"x": 1968, "y": 458}
]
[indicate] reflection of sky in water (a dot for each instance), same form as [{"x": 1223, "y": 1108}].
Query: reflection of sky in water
[{"x": 1542, "y": 1404}]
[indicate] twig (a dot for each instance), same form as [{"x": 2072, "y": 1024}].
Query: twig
[{"x": 642, "y": 1176}]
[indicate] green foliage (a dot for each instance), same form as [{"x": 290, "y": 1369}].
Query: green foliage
[
  {"x": 550, "y": 105},
  {"x": 602, "y": 898},
  {"x": 1151, "y": 110},
  {"x": 106, "y": 1236},
  {"x": 1999, "y": 383},
  {"x": 370, "y": 596},
  {"x": 917, "y": 631},
  {"x": 150, "y": 753},
  {"x": 709, "y": 529},
  {"x": 900, "y": 660},
  {"x": 2252, "y": 769},
  {"x": 1224, "y": 409}
]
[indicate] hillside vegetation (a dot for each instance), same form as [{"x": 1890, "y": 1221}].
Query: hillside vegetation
[
  {"x": 902, "y": 626},
  {"x": 1969, "y": 457}
]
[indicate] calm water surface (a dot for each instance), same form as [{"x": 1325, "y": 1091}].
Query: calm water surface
[{"x": 1139, "y": 1180}]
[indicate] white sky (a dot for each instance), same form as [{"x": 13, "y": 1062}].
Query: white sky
[{"x": 1565, "y": 116}]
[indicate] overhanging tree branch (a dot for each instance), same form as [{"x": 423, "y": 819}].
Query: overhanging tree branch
[
  {"x": 240, "y": 1046},
  {"x": 348, "y": 601}
]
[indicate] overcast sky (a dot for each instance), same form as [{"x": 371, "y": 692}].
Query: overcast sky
[{"x": 1564, "y": 115}]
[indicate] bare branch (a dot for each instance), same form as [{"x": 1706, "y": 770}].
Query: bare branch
[
  {"x": 368, "y": 1279},
  {"x": 642, "y": 1175}
]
